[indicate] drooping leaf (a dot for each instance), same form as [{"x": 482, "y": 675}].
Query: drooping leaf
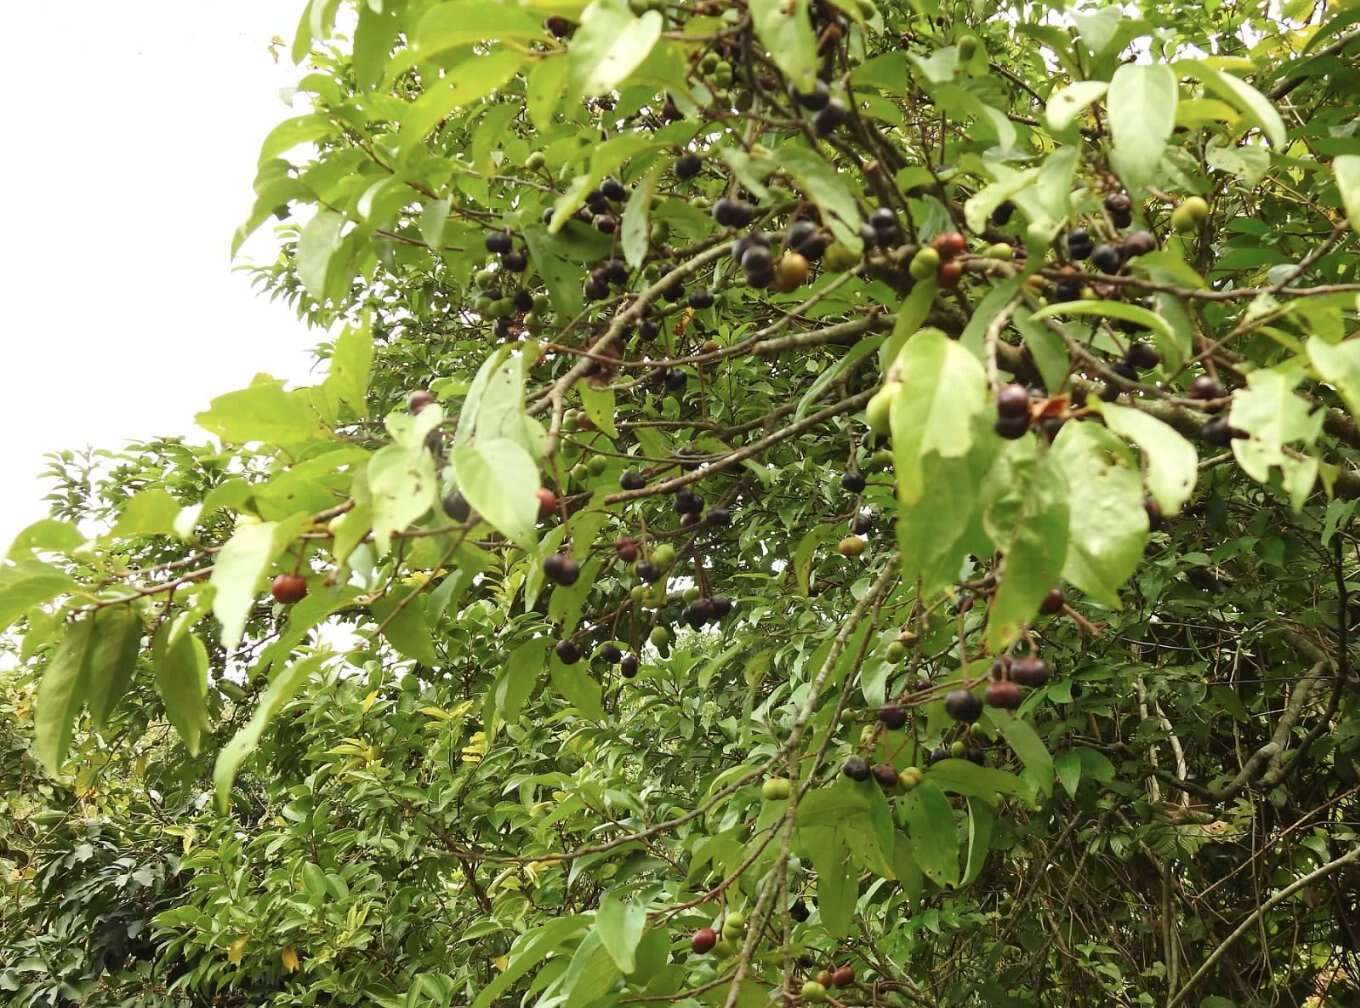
[
  {"x": 499, "y": 479},
  {"x": 1141, "y": 108},
  {"x": 62, "y": 692},
  {"x": 620, "y": 924},
  {"x": 181, "y": 663},
  {"x": 933, "y": 835},
  {"x": 785, "y": 30},
  {"x": 1170, "y": 463},
  {"x": 27, "y": 583}
]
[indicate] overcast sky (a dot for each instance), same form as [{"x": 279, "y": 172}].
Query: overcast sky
[{"x": 132, "y": 135}]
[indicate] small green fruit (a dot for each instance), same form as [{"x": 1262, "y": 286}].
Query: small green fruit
[
  {"x": 878, "y": 412},
  {"x": 838, "y": 258},
  {"x": 813, "y": 991},
  {"x": 535, "y": 161},
  {"x": 925, "y": 264},
  {"x": 1001, "y": 250},
  {"x": 663, "y": 555},
  {"x": 485, "y": 278},
  {"x": 597, "y": 465},
  {"x": 909, "y": 778},
  {"x": 895, "y": 652},
  {"x": 659, "y": 636},
  {"x": 957, "y": 749},
  {"x": 724, "y": 949},
  {"x": 691, "y": 593},
  {"x": 1187, "y": 217},
  {"x": 968, "y": 46},
  {"x": 580, "y": 472},
  {"x": 541, "y": 304},
  {"x": 776, "y": 789},
  {"x": 851, "y": 546}
]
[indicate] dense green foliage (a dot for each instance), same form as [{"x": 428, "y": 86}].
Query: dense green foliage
[{"x": 874, "y": 480}]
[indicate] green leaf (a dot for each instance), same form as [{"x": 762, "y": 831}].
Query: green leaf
[
  {"x": 620, "y": 925},
  {"x": 61, "y": 693},
  {"x": 967, "y": 778},
  {"x": 239, "y": 568},
  {"x": 1067, "y": 765},
  {"x": 351, "y": 366},
  {"x": 1028, "y": 523},
  {"x": 1065, "y": 104},
  {"x": 1346, "y": 167},
  {"x": 1171, "y": 464},
  {"x": 636, "y": 224},
  {"x": 460, "y": 23},
  {"x": 1241, "y": 95},
  {"x": 1107, "y": 523},
  {"x": 981, "y": 820},
  {"x": 401, "y": 614},
  {"x": 373, "y": 38},
  {"x": 590, "y": 973},
  {"x": 578, "y": 687},
  {"x": 499, "y": 479},
  {"x": 543, "y": 89},
  {"x": 977, "y": 209},
  {"x": 28, "y": 583},
  {"x": 1107, "y": 309},
  {"x": 280, "y": 690},
  {"x": 1141, "y": 108},
  {"x": 46, "y": 535},
  {"x": 263, "y": 412},
  {"x": 1339, "y": 366},
  {"x": 150, "y": 512},
  {"x": 466, "y": 82},
  {"x": 608, "y": 46},
  {"x": 943, "y": 388},
  {"x": 820, "y": 181},
  {"x": 403, "y": 485},
  {"x": 1269, "y": 411},
  {"x": 320, "y": 240},
  {"x": 529, "y": 952},
  {"x": 785, "y": 30},
  {"x": 910, "y": 314},
  {"x": 182, "y": 679},
  {"x": 930, "y": 827},
  {"x": 293, "y": 133},
  {"x": 522, "y": 670},
  {"x": 1027, "y": 745},
  {"x": 113, "y": 657},
  {"x": 837, "y": 890},
  {"x": 599, "y": 406},
  {"x": 560, "y": 273},
  {"x": 933, "y": 540}
]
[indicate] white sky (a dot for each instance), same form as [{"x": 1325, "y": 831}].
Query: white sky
[{"x": 132, "y": 134}]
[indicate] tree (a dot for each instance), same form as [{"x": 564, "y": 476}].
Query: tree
[{"x": 808, "y": 501}]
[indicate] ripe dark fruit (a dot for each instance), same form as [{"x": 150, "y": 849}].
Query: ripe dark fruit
[
  {"x": 883, "y": 220},
  {"x": 1118, "y": 203},
  {"x": 288, "y": 588},
  {"x": 1029, "y": 670},
  {"x": 1139, "y": 243},
  {"x": 718, "y": 516},
  {"x": 937, "y": 754},
  {"x": 1207, "y": 387},
  {"x": 1143, "y": 356},
  {"x": 1106, "y": 258},
  {"x": 975, "y": 754},
  {"x": 561, "y": 569},
  {"x": 631, "y": 479},
  {"x": 1079, "y": 244},
  {"x": 628, "y": 666},
  {"x": 457, "y": 507},
  {"x": 1219, "y": 433},
  {"x": 1067, "y": 290},
  {"x": 886, "y": 775},
  {"x": 547, "y": 503},
  {"x": 1002, "y": 214},
  {"x": 950, "y": 274},
  {"x": 418, "y": 400},
  {"x": 950, "y": 244},
  {"x": 1011, "y": 428},
  {"x": 816, "y": 99},
  {"x": 800, "y": 231},
  {"x": 597, "y": 289},
  {"x": 688, "y": 502},
  {"x": 843, "y": 977},
  {"x": 687, "y": 166},
  {"x": 613, "y": 190},
  {"x": 863, "y": 522},
  {"x": 703, "y": 941},
  {"x": 611, "y": 653},
  {"x": 648, "y": 572},
  {"x": 799, "y": 911},
  {"x": 733, "y": 212},
  {"x": 626, "y": 549},
  {"x": 856, "y": 768},
  {"x": 1012, "y": 401},
  {"x": 720, "y": 606},
  {"x": 962, "y": 705},
  {"x": 605, "y": 223},
  {"x": 701, "y": 299},
  {"x": 757, "y": 259},
  {"x": 1053, "y": 602},
  {"x": 616, "y": 271},
  {"x": 830, "y": 118},
  {"x": 852, "y": 481},
  {"x": 567, "y": 652},
  {"x": 892, "y": 717},
  {"x": 1005, "y": 695},
  {"x": 560, "y": 27},
  {"x": 515, "y": 262},
  {"x": 499, "y": 242}
]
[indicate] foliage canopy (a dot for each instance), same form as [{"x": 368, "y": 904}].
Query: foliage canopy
[{"x": 807, "y": 500}]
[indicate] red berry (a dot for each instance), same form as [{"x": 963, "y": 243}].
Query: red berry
[
  {"x": 703, "y": 941},
  {"x": 950, "y": 274},
  {"x": 1005, "y": 695},
  {"x": 626, "y": 549},
  {"x": 1053, "y": 602},
  {"x": 843, "y": 977},
  {"x": 950, "y": 244},
  {"x": 547, "y": 503},
  {"x": 419, "y": 399},
  {"x": 289, "y": 588}
]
